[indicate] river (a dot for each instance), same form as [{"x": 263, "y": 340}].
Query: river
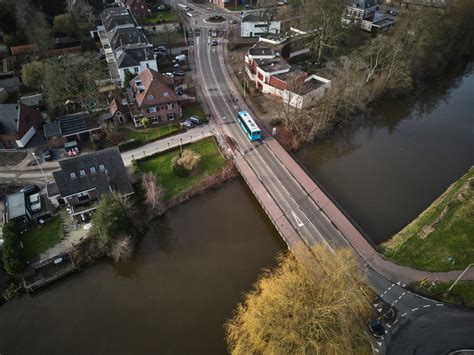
[
  {"x": 173, "y": 298},
  {"x": 391, "y": 165}
]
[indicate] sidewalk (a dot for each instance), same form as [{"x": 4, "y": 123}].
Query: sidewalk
[
  {"x": 371, "y": 257},
  {"x": 34, "y": 174}
]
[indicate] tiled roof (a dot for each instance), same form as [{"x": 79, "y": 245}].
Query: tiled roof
[
  {"x": 102, "y": 170},
  {"x": 157, "y": 89}
]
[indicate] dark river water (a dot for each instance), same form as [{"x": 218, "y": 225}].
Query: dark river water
[
  {"x": 187, "y": 277},
  {"x": 389, "y": 168}
]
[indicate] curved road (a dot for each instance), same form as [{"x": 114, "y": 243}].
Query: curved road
[{"x": 418, "y": 325}]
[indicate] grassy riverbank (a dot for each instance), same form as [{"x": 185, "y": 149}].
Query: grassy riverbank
[
  {"x": 440, "y": 238},
  {"x": 462, "y": 293},
  {"x": 38, "y": 238},
  {"x": 211, "y": 163}
]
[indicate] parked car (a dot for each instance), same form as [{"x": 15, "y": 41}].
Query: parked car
[
  {"x": 391, "y": 12},
  {"x": 377, "y": 328},
  {"x": 179, "y": 91},
  {"x": 171, "y": 75},
  {"x": 35, "y": 202},
  {"x": 161, "y": 8},
  {"x": 47, "y": 154},
  {"x": 194, "y": 119},
  {"x": 214, "y": 43},
  {"x": 178, "y": 72},
  {"x": 187, "y": 124},
  {"x": 160, "y": 49},
  {"x": 233, "y": 21},
  {"x": 30, "y": 189}
]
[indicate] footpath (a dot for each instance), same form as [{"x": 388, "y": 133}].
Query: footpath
[
  {"x": 371, "y": 257},
  {"x": 32, "y": 174}
]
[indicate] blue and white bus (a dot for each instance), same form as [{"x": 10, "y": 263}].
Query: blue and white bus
[{"x": 249, "y": 126}]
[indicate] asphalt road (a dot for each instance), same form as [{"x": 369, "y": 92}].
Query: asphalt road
[{"x": 414, "y": 325}]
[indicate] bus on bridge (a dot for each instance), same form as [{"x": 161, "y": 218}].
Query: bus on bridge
[{"x": 249, "y": 126}]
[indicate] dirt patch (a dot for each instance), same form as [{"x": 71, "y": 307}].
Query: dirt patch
[{"x": 11, "y": 158}]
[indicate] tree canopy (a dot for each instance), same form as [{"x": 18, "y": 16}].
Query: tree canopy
[
  {"x": 32, "y": 74},
  {"x": 315, "y": 308},
  {"x": 72, "y": 77}
]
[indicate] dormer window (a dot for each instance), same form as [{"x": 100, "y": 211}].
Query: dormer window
[
  {"x": 166, "y": 94},
  {"x": 101, "y": 167},
  {"x": 82, "y": 172},
  {"x": 93, "y": 169},
  {"x": 150, "y": 97},
  {"x": 72, "y": 175}
]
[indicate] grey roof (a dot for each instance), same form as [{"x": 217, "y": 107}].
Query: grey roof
[
  {"x": 261, "y": 51},
  {"x": 273, "y": 65},
  {"x": 32, "y": 100},
  {"x": 52, "y": 189},
  {"x": 114, "y": 176},
  {"x": 16, "y": 205},
  {"x": 76, "y": 123},
  {"x": 8, "y": 118},
  {"x": 51, "y": 129},
  {"x": 255, "y": 17},
  {"x": 123, "y": 37},
  {"x": 133, "y": 57},
  {"x": 116, "y": 16}
]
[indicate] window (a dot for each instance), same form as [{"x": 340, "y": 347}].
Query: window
[
  {"x": 166, "y": 94},
  {"x": 135, "y": 69},
  {"x": 72, "y": 175},
  {"x": 149, "y": 97},
  {"x": 82, "y": 196},
  {"x": 170, "y": 116},
  {"x": 169, "y": 106},
  {"x": 155, "y": 119},
  {"x": 152, "y": 109},
  {"x": 82, "y": 172},
  {"x": 93, "y": 169},
  {"x": 101, "y": 167}
]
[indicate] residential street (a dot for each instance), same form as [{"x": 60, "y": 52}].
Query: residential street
[{"x": 33, "y": 173}]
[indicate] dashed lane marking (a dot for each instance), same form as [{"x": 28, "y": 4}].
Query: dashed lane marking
[
  {"x": 426, "y": 306},
  {"x": 404, "y": 314},
  {"x": 414, "y": 309}
]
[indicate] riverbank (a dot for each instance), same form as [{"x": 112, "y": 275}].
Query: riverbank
[{"x": 440, "y": 238}]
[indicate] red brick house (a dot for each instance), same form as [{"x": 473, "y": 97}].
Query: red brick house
[
  {"x": 155, "y": 97},
  {"x": 139, "y": 8},
  {"x": 18, "y": 124}
]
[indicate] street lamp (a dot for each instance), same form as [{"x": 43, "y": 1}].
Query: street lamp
[{"x": 39, "y": 166}]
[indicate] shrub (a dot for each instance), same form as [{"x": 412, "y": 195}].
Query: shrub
[
  {"x": 276, "y": 122},
  {"x": 12, "y": 261},
  {"x": 184, "y": 164}
]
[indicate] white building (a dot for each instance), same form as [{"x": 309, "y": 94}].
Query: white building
[
  {"x": 125, "y": 46},
  {"x": 254, "y": 25}
]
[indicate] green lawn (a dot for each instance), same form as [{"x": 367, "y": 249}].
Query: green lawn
[
  {"x": 211, "y": 163},
  {"x": 463, "y": 291},
  {"x": 38, "y": 238},
  {"x": 160, "y": 17},
  {"x": 193, "y": 110},
  {"x": 444, "y": 230},
  {"x": 149, "y": 134}
]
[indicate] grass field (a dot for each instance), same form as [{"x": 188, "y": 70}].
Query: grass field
[
  {"x": 149, "y": 134},
  {"x": 461, "y": 293},
  {"x": 442, "y": 237},
  {"x": 11, "y": 158},
  {"x": 160, "y": 17},
  {"x": 38, "y": 239},
  {"x": 211, "y": 163}
]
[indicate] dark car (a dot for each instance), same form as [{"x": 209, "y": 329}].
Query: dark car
[
  {"x": 179, "y": 91},
  {"x": 195, "y": 120},
  {"x": 377, "y": 328},
  {"x": 187, "y": 124},
  {"x": 46, "y": 154},
  {"x": 178, "y": 72},
  {"x": 214, "y": 43},
  {"x": 30, "y": 189}
]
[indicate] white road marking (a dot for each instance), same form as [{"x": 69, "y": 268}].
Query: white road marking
[
  {"x": 376, "y": 350},
  {"x": 404, "y": 314},
  {"x": 395, "y": 322},
  {"x": 426, "y": 306},
  {"x": 379, "y": 343},
  {"x": 298, "y": 221},
  {"x": 379, "y": 309},
  {"x": 388, "y": 325},
  {"x": 414, "y": 309},
  {"x": 439, "y": 304}
]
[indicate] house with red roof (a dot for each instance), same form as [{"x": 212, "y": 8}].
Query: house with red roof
[{"x": 155, "y": 97}]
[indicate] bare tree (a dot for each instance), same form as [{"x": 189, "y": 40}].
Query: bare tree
[
  {"x": 153, "y": 193},
  {"x": 324, "y": 19},
  {"x": 33, "y": 24},
  {"x": 122, "y": 248},
  {"x": 313, "y": 305}
]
